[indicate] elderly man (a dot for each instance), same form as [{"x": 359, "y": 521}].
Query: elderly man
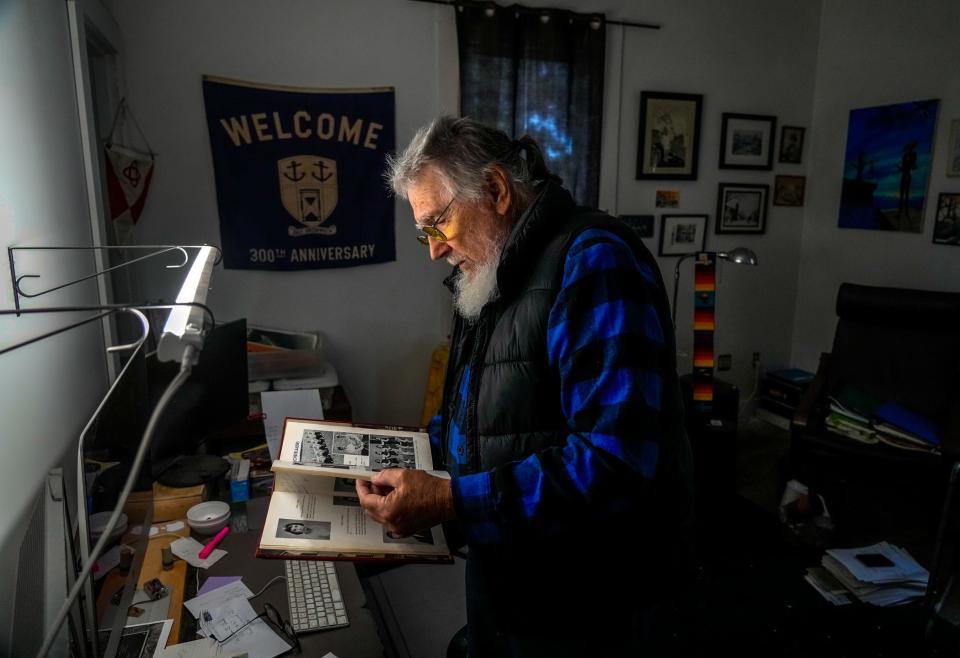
[{"x": 561, "y": 422}]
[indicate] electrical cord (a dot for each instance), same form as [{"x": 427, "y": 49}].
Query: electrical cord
[
  {"x": 186, "y": 364},
  {"x": 753, "y": 393},
  {"x": 263, "y": 589}
]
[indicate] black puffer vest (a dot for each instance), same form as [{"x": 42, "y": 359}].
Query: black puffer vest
[{"x": 513, "y": 402}]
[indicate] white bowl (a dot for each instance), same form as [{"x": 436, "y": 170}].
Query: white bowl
[{"x": 208, "y": 518}]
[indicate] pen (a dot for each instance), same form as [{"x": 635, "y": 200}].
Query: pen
[{"x": 213, "y": 543}]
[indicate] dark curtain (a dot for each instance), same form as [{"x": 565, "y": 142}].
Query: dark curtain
[{"x": 543, "y": 79}]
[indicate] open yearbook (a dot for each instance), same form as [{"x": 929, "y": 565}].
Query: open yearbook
[{"x": 314, "y": 510}]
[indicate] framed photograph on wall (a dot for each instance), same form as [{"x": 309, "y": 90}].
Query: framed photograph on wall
[
  {"x": 746, "y": 141},
  {"x": 682, "y": 234},
  {"x": 669, "y": 140},
  {"x": 953, "y": 149},
  {"x": 642, "y": 224},
  {"x": 791, "y": 144},
  {"x": 946, "y": 230},
  {"x": 789, "y": 190},
  {"x": 742, "y": 208}
]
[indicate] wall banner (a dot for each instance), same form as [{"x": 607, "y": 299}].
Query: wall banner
[{"x": 299, "y": 174}]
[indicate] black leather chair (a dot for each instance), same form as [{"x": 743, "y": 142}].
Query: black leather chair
[{"x": 900, "y": 345}]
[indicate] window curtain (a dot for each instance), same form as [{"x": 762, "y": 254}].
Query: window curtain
[{"x": 539, "y": 73}]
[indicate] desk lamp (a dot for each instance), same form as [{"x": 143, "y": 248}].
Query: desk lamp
[
  {"x": 738, "y": 256},
  {"x": 185, "y": 325}
]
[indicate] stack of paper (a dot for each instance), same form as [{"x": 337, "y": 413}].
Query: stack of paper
[
  {"x": 902, "y": 428},
  {"x": 881, "y": 574},
  {"x": 224, "y": 614},
  {"x": 850, "y": 412},
  {"x": 829, "y": 587}
]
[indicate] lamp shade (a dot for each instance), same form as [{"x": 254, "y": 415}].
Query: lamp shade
[{"x": 740, "y": 256}]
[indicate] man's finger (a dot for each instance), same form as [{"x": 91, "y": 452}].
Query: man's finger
[
  {"x": 390, "y": 477},
  {"x": 363, "y": 487},
  {"x": 369, "y": 499}
]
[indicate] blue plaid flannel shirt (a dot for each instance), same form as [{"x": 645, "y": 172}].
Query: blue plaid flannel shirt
[{"x": 607, "y": 342}]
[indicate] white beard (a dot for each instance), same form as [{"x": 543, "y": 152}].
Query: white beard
[{"x": 471, "y": 295}]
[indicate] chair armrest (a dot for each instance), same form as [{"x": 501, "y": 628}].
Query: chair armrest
[{"x": 803, "y": 415}]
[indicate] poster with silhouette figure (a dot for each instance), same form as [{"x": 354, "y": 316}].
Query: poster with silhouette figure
[{"x": 887, "y": 166}]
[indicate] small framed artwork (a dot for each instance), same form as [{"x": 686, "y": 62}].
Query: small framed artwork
[
  {"x": 953, "y": 149},
  {"x": 669, "y": 141},
  {"x": 746, "y": 141},
  {"x": 668, "y": 198},
  {"x": 682, "y": 234},
  {"x": 642, "y": 224},
  {"x": 791, "y": 144},
  {"x": 788, "y": 190},
  {"x": 742, "y": 208},
  {"x": 946, "y": 230}
]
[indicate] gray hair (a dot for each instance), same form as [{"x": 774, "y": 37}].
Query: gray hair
[{"x": 463, "y": 152}]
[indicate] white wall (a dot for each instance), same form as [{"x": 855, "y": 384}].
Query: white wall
[
  {"x": 50, "y": 388},
  {"x": 743, "y": 56},
  {"x": 748, "y": 56},
  {"x": 873, "y": 53},
  {"x": 380, "y": 322}
]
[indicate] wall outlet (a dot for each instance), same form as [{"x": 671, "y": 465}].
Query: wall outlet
[
  {"x": 756, "y": 359},
  {"x": 724, "y": 361}
]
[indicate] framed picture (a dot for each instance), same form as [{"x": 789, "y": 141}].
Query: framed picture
[
  {"x": 788, "y": 190},
  {"x": 668, "y": 198},
  {"x": 886, "y": 166},
  {"x": 642, "y": 224},
  {"x": 746, "y": 141},
  {"x": 947, "y": 228},
  {"x": 791, "y": 144},
  {"x": 742, "y": 208},
  {"x": 682, "y": 234},
  {"x": 669, "y": 141},
  {"x": 953, "y": 149}
]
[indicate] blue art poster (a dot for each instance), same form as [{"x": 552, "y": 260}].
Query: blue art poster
[
  {"x": 299, "y": 174},
  {"x": 887, "y": 166}
]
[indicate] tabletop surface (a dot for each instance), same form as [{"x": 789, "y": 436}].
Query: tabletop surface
[{"x": 358, "y": 640}]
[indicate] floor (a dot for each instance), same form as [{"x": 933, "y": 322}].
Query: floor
[
  {"x": 761, "y": 447},
  {"x": 422, "y": 606}
]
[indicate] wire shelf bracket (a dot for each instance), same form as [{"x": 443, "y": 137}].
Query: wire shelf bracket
[
  {"x": 158, "y": 250},
  {"x": 102, "y": 312}
]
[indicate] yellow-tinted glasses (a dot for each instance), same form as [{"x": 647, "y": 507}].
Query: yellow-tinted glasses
[{"x": 431, "y": 231}]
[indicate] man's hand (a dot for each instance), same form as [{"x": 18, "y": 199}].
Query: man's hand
[{"x": 404, "y": 500}]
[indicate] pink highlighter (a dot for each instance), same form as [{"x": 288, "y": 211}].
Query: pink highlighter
[{"x": 208, "y": 549}]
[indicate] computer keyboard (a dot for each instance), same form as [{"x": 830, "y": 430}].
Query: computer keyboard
[{"x": 313, "y": 593}]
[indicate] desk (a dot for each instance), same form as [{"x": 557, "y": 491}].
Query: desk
[{"x": 358, "y": 640}]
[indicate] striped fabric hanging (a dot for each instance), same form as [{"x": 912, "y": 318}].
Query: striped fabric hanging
[{"x": 704, "y": 324}]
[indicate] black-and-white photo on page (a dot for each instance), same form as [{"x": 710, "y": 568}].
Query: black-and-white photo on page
[
  {"x": 303, "y": 529},
  {"x": 356, "y": 449},
  {"x": 334, "y": 449}
]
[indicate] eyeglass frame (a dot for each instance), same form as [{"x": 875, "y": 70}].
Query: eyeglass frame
[
  {"x": 431, "y": 230},
  {"x": 283, "y": 625}
]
